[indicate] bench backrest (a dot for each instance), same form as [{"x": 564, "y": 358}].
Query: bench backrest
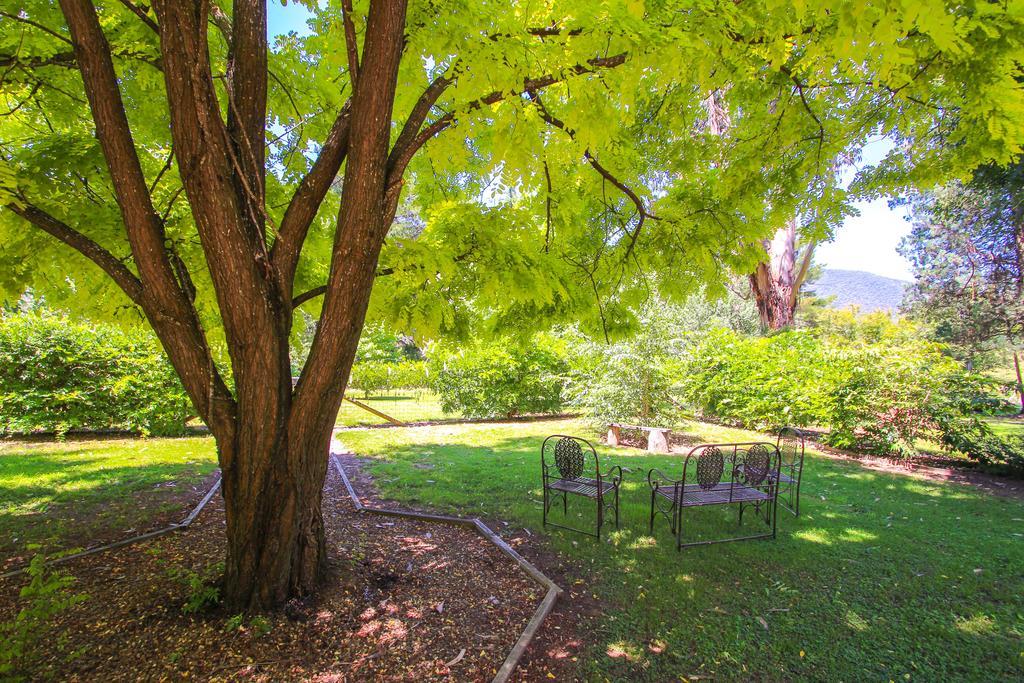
[
  {"x": 791, "y": 447},
  {"x": 568, "y": 457},
  {"x": 747, "y": 464}
]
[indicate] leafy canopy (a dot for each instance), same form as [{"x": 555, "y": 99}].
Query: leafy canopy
[
  {"x": 967, "y": 250},
  {"x": 574, "y": 171}
]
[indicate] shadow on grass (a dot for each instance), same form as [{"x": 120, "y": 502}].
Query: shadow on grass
[{"x": 53, "y": 496}]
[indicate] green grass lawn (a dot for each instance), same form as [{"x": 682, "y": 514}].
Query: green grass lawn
[
  {"x": 50, "y": 492},
  {"x": 421, "y": 406},
  {"x": 883, "y": 577},
  {"x": 1006, "y": 426}
]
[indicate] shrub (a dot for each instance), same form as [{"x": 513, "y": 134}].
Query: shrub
[
  {"x": 878, "y": 393},
  {"x": 58, "y": 375},
  {"x": 47, "y": 594},
  {"x": 499, "y": 380},
  {"x": 629, "y": 382},
  {"x": 757, "y": 382},
  {"x": 372, "y": 377},
  {"x": 971, "y": 436}
]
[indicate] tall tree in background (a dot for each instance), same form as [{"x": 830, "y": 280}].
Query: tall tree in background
[
  {"x": 967, "y": 250},
  {"x": 168, "y": 161},
  {"x": 776, "y": 282}
]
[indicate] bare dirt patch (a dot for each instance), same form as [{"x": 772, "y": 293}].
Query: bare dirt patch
[
  {"x": 554, "y": 652},
  {"x": 404, "y": 600}
]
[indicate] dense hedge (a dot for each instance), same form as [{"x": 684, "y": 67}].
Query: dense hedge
[
  {"x": 499, "y": 380},
  {"x": 59, "y": 375},
  {"x": 878, "y": 395},
  {"x": 374, "y": 376}
]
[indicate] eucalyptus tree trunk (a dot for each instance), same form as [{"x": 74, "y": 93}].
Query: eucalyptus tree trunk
[{"x": 776, "y": 283}]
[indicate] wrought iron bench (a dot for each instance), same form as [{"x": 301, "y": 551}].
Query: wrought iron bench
[
  {"x": 745, "y": 474},
  {"x": 570, "y": 465}
]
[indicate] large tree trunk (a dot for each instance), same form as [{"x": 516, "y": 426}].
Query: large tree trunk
[
  {"x": 275, "y": 532},
  {"x": 272, "y": 438},
  {"x": 776, "y": 282}
]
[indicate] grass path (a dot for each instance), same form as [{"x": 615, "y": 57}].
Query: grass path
[
  {"x": 422, "y": 406},
  {"x": 883, "y": 577}
]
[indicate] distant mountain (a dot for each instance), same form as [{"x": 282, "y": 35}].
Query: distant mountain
[{"x": 867, "y": 291}]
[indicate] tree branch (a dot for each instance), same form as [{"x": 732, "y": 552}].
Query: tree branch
[
  {"x": 110, "y": 264},
  {"x": 307, "y": 296},
  {"x": 247, "y": 105},
  {"x": 141, "y": 14},
  {"x": 304, "y": 204},
  {"x": 641, "y": 208},
  {"x": 166, "y": 304},
  {"x": 60, "y": 59},
  {"x": 412, "y": 138},
  {"x": 35, "y": 24},
  {"x": 351, "y": 46}
]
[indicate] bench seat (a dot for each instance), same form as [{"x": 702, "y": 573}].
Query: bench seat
[
  {"x": 584, "y": 486},
  {"x": 657, "y": 437},
  {"x": 694, "y": 495}
]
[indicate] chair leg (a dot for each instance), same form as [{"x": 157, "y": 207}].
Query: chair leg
[
  {"x": 546, "y": 503},
  {"x": 679, "y": 528},
  {"x": 616, "y": 507},
  {"x": 741, "y": 514},
  {"x": 600, "y": 516},
  {"x": 565, "y": 503},
  {"x": 651, "y": 527}
]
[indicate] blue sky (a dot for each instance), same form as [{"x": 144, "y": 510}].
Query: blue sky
[
  {"x": 869, "y": 240},
  {"x": 864, "y": 242}
]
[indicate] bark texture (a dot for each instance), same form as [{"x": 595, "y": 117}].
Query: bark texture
[{"x": 272, "y": 440}]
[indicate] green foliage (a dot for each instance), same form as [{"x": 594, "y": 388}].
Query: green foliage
[
  {"x": 374, "y": 377},
  {"x": 57, "y": 374},
  {"x": 500, "y": 379},
  {"x": 1002, "y": 453},
  {"x": 762, "y": 382},
  {"x": 47, "y": 594},
  {"x": 502, "y": 223},
  {"x": 966, "y": 250},
  {"x": 202, "y": 592},
  {"x": 631, "y": 380},
  {"x": 379, "y": 345},
  {"x": 259, "y": 625},
  {"x": 875, "y": 387}
]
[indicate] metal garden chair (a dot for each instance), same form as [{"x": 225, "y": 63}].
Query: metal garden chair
[
  {"x": 744, "y": 474},
  {"x": 791, "y": 449},
  {"x": 570, "y": 465}
]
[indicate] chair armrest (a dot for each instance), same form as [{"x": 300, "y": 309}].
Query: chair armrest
[
  {"x": 656, "y": 479},
  {"x": 611, "y": 470}
]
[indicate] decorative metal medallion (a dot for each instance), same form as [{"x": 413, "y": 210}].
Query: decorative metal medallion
[
  {"x": 756, "y": 464},
  {"x": 710, "y": 466},
  {"x": 568, "y": 458}
]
